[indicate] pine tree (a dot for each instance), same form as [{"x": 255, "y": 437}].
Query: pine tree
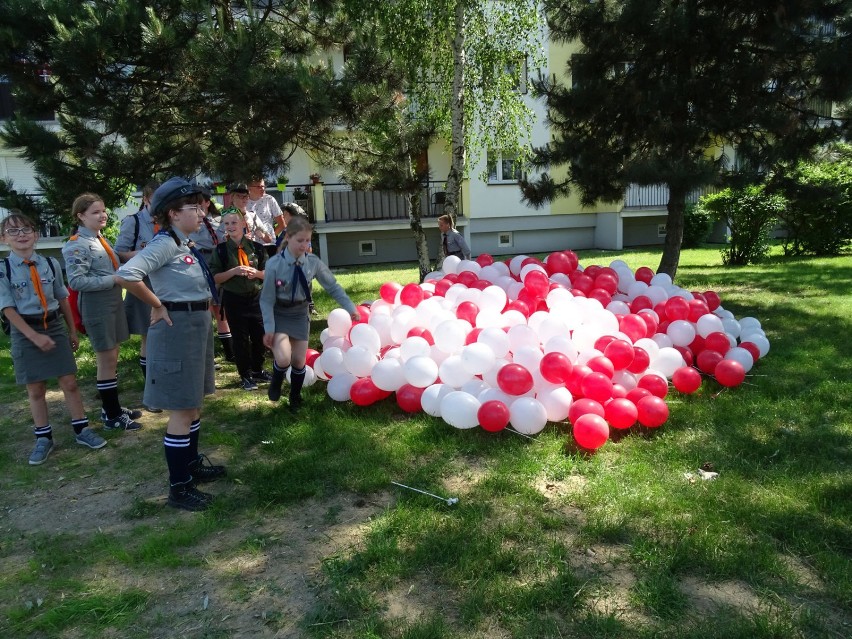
[{"x": 658, "y": 85}]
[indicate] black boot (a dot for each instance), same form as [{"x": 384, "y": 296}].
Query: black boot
[
  {"x": 187, "y": 497},
  {"x": 203, "y": 471},
  {"x": 274, "y": 390},
  {"x": 297, "y": 378}
]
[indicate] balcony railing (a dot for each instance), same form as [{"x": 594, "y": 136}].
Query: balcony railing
[
  {"x": 656, "y": 196},
  {"x": 345, "y": 205}
]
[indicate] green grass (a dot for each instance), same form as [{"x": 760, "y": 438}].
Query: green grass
[{"x": 544, "y": 542}]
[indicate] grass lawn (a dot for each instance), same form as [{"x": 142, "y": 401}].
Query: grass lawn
[{"x": 309, "y": 538}]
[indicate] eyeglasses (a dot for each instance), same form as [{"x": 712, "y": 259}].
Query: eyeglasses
[
  {"x": 16, "y": 231},
  {"x": 192, "y": 207}
]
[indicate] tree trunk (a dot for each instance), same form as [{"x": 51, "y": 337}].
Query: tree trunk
[
  {"x": 452, "y": 206},
  {"x": 674, "y": 231},
  {"x": 414, "y": 218}
]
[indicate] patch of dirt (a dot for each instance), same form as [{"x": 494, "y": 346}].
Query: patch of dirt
[{"x": 707, "y": 597}]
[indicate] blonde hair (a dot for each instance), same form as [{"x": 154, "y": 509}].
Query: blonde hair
[
  {"x": 81, "y": 203},
  {"x": 298, "y": 224}
]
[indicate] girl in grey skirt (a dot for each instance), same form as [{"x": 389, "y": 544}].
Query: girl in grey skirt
[
  {"x": 35, "y": 301},
  {"x": 285, "y": 304},
  {"x": 90, "y": 263},
  {"x": 180, "y": 337}
]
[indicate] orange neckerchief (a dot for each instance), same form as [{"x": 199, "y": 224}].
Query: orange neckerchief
[
  {"x": 36, "y": 280},
  {"x": 108, "y": 249},
  {"x": 242, "y": 258}
]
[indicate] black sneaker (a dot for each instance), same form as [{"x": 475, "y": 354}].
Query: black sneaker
[
  {"x": 248, "y": 384},
  {"x": 295, "y": 404},
  {"x": 153, "y": 409},
  {"x": 262, "y": 377},
  {"x": 203, "y": 471},
  {"x": 132, "y": 413},
  {"x": 187, "y": 497}
]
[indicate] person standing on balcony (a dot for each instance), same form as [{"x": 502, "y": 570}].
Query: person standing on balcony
[
  {"x": 237, "y": 267},
  {"x": 180, "y": 371},
  {"x": 90, "y": 263},
  {"x": 134, "y": 234},
  {"x": 208, "y": 236},
  {"x": 35, "y": 302},
  {"x": 452, "y": 242},
  {"x": 266, "y": 211}
]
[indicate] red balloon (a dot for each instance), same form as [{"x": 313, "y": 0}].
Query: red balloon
[
  {"x": 712, "y": 299},
  {"x": 537, "y": 283},
  {"x": 592, "y": 271},
  {"x": 484, "y": 259},
  {"x": 389, "y": 290},
  {"x": 686, "y": 379},
  {"x": 576, "y": 377},
  {"x": 311, "y": 356},
  {"x": 514, "y": 379},
  {"x": 442, "y": 286},
  {"x": 637, "y": 393},
  {"x": 687, "y": 355},
  {"x": 707, "y": 360},
  {"x": 656, "y": 384},
  {"x": 643, "y": 274},
  {"x": 419, "y": 331},
  {"x": 472, "y": 337},
  {"x": 468, "y": 278},
  {"x": 493, "y": 415},
  {"x": 717, "y": 341},
  {"x": 697, "y": 345},
  {"x": 411, "y": 295},
  {"x": 364, "y": 392},
  {"x": 620, "y": 353},
  {"x": 596, "y": 386},
  {"x": 591, "y": 431},
  {"x": 697, "y": 308},
  {"x": 601, "y": 364},
  {"x": 600, "y": 295},
  {"x": 653, "y": 411},
  {"x": 468, "y": 311},
  {"x": 641, "y": 302},
  {"x": 408, "y": 398},
  {"x": 729, "y": 373},
  {"x": 573, "y": 260},
  {"x": 607, "y": 281},
  {"x": 584, "y": 406},
  {"x": 518, "y": 305},
  {"x": 621, "y": 413},
  {"x": 556, "y": 368},
  {"x": 633, "y": 326},
  {"x": 602, "y": 342},
  {"x": 677, "y": 308},
  {"x": 752, "y": 348},
  {"x": 618, "y": 391},
  {"x": 583, "y": 283},
  {"x": 364, "y": 312},
  {"x": 558, "y": 263},
  {"x": 641, "y": 360}
]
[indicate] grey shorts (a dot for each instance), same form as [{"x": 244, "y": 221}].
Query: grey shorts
[
  {"x": 138, "y": 313},
  {"x": 180, "y": 361},
  {"x": 104, "y": 318},
  {"x": 34, "y": 365},
  {"x": 293, "y": 321}
]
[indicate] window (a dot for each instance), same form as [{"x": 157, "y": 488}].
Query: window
[
  {"x": 503, "y": 167},
  {"x": 504, "y": 239},
  {"x": 367, "y": 247},
  {"x": 520, "y": 73},
  {"x": 661, "y": 230}
]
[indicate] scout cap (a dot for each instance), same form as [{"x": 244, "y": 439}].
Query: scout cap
[{"x": 170, "y": 190}]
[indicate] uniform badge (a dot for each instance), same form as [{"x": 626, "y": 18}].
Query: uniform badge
[{"x": 188, "y": 259}]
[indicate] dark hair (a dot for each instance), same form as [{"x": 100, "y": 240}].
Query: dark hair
[
  {"x": 294, "y": 209},
  {"x": 148, "y": 191},
  {"x": 83, "y": 202},
  {"x": 18, "y": 220},
  {"x": 162, "y": 217}
]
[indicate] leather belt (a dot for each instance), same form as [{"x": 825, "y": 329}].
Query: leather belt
[
  {"x": 186, "y": 306},
  {"x": 38, "y": 320}
]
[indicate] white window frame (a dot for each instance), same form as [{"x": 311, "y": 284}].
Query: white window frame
[
  {"x": 499, "y": 175},
  {"x": 661, "y": 230},
  {"x": 366, "y": 247},
  {"x": 505, "y": 239}
]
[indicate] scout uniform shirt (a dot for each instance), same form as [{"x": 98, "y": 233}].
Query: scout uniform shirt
[
  {"x": 87, "y": 263},
  {"x": 173, "y": 270},
  {"x": 128, "y": 238},
  {"x": 278, "y": 285},
  {"x": 19, "y": 293},
  {"x": 256, "y": 259}
]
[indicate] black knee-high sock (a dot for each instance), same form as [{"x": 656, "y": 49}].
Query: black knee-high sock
[
  {"x": 227, "y": 346},
  {"x": 194, "y": 432},
  {"x": 297, "y": 379},
  {"x": 43, "y": 431},
  {"x": 143, "y": 364},
  {"x": 79, "y": 424},
  {"x": 177, "y": 458},
  {"x": 108, "y": 390}
]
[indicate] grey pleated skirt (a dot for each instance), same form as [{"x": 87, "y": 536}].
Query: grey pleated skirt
[
  {"x": 34, "y": 365},
  {"x": 294, "y": 321},
  {"x": 138, "y": 313},
  {"x": 104, "y": 318}
]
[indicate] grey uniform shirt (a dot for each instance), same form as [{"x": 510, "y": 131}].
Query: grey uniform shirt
[
  {"x": 456, "y": 244},
  {"x": 278, "y": 284},
  {"x": 173, "y": 270},
  {"x": 124, "y": 243},
  {"x": 203, "y": 237},
  {"x": 19, "y": 293},
  {"x": 87, "y": 264}
]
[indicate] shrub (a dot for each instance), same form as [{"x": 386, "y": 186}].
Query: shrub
[
  {"x": 696, "y": 226},
  {"x": 750, "y": 215}
]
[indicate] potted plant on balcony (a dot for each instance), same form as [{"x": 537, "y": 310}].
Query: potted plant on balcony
[
  {"x": 219, "y": 187},
  {"x": 315, "y": 178},
  {"x": 282, "y": 182}
]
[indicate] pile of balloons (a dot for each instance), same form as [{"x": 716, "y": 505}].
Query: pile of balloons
[{"x": 526, "y": 342}]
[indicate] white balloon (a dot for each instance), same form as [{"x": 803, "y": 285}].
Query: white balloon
[
  {"x": 496, "y": 339},
  {"x": 681, "y": 332},
  {"x": 762, "y": 344},
  {"x": 414, "y": 346},
  {"x": 493, "y": 298},
  {"x": 528, "y": 356},
  {"x": 732, "y": 326},
  {"x": 618, "y": 308},
  {"x": 431, "y": 398},
  {"x": 404, "y": 319},
  {"x": 310, "y": 376},
  {"x": 662, "y": 340},
  {"x": 515, "y": 264},
  {"x": 661, "y": 279},
  {"x": 667, "y": 361},
  {"x": 528, "y": 416},
  {"x": 636, "y": 289},
  {"x": 387, "y": 374},
  {"x": 319, "y": 372},
  {"x": 332, "y": 361},
  {"x": 742, "y": 356},
  {"x": 359, "y": 361},
  {"x": 324, "y": 336},
  {"x": 521, "y": 336},
  {"x": 627, "y": 379},
  {"x": 709, "y": 323},
  {"x": 339, "y": 322},
  {"x": 490, "y": 376},
  {"x": 450, "y": 336},
  {"x": 562, "y": 344},
  {"x": 477, "y": 358},
  {"x": 382, "y": 322},
  {"x": 656, "y": 294},
  {"x": 749, "y": 322},
  {"x": 420, "y": 371},
  {"x": 489, "y": 319},
  {"x": 453, "y": 373},
  {"x": 649, "y": 346},
  {"x": 557, "y": 403},
  {"x": 365, "y": 336},
  {"x": 450, "y": 264},
  {"x": 474, "y": 387},
  {"x": 460, "y": 410},
  {"x": 339, "y": 386},
  {"x": 495, "y": 393}
]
